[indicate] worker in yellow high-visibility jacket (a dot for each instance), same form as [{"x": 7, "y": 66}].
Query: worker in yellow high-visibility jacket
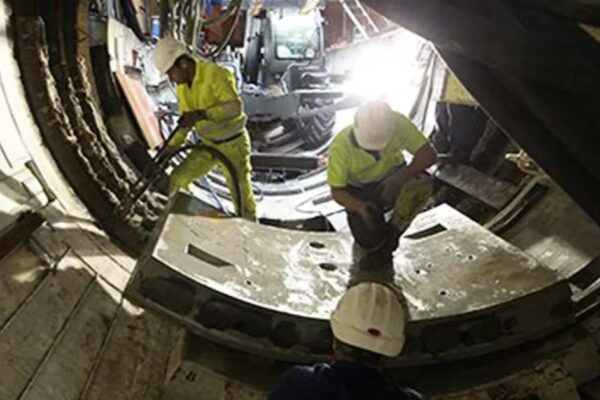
[
  {"x": 368, "y": 175},
  {"x": 210, "y": 104}
]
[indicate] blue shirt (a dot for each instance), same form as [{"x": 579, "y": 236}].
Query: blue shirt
[{"x": 339, "y": 381}]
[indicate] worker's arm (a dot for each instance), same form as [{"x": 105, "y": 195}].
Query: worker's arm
[
  {"x": 423, "y": 154},
  {"x": 176, "y": 141},
  {"x": 418, "y": 145},
  {"x": 338, "y": 179},
  {"x": 186, "y": 122},
  {"x": 347, "y": 200},
  {"x": 422, "y": 159},
  {"x": 229, "y": 103},
  {"x": 367, "y": 210},
  {"x": 338, "y": 176}
]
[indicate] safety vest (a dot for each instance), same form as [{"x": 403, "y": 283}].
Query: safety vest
[{"x": 214, "y": 91}]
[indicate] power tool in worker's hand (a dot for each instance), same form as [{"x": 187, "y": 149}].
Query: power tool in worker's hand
[{"x": 150, "y": 173}]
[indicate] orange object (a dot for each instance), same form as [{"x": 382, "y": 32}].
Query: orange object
[
  {"x": 214, "y": 33},
  {"x": 143, "y": 109}
]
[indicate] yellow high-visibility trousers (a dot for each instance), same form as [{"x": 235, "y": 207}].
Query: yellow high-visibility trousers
[
  {"x": 198, "y": 163},
  {"x": 411, "y": 200}
]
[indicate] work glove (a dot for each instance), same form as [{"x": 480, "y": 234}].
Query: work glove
[{"x": 189, "y": 119}]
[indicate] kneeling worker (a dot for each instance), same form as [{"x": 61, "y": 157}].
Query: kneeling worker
[
  {"x": 368, "y": 326},
  {"x": 368, "y": 175},
  {"x": 209, "y": 102}
]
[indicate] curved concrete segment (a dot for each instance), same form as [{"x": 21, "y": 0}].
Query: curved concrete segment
[
  {"x": 67, "y": 332},
  {"x": 270, "y": 291}
]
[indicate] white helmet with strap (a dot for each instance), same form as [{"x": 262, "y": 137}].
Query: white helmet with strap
[
  {"x": 374, "y": 125},
  {"x": 369, "y": 316},
  {"x": 166, "y": 52}
]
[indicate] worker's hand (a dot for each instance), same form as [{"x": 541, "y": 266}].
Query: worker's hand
[
  {"x": 369, "y": 212},
  {"x": 167, "y": 152},
  {"x": 189, "y": 119}
]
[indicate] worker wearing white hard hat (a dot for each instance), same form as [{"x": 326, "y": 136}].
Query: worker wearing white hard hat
[
  {"x": 210, "y": 104},
  {"x": 368, "y": 175},
  {"x": 368, "y": 326}
]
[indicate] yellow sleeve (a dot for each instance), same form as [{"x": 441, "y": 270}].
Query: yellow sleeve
[
  {"x": 337, "y": 170},
  {"x": 412, "y": 138},
  {"x": 180, "y": 136},
  {"x": 229, "y": 103},
  {"x": 178, "y": 139}
]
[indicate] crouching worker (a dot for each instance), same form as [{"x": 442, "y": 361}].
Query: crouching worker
[
  {"x": 368, "y": 326},
  {"x": 210, "y": 104},
  {"x": 369, "y": 176}
]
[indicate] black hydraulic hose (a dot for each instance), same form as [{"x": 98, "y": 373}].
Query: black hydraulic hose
[
  {"x": 228, "y": 166},
  {"x": 156, "y": 160},
  {"x": 164, "y": 161}
]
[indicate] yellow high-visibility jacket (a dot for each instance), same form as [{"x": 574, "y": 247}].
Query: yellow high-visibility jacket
[{"x": 214, "y": 91}]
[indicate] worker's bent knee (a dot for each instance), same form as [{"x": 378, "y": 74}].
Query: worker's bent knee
[
  {"x": 179, "y": 181},
  {"x": 412, "y": 199}
]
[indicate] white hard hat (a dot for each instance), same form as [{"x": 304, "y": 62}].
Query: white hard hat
[
  {"x": 374, "y": 125},
  {"x": 369, "y": 316},
  {"x": 166, "y": 52}
]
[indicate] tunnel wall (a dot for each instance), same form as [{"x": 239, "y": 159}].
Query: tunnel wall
[
  {"x": 59, "y": 93},
  {"x": 66, "y": 332}
]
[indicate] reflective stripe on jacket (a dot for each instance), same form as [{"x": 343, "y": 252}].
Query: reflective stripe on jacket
[{"x": 214, "y": 91}]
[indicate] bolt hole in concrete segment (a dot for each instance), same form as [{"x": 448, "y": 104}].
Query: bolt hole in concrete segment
[
  {"x": 249, "y": 283},
  {"x": 317, "y": 245},
  {"x": 443, "y": 292},
  {"x": 328, "y": 266}
]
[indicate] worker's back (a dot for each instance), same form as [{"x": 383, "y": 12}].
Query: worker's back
[{"x": 340, "y": 380}]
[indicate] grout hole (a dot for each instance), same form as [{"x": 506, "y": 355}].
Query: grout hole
[{"x": 328, "y": 266}]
